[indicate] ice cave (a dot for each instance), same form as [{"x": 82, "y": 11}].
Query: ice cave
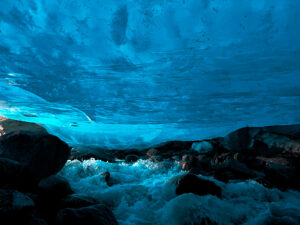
[{"x": 166, "y": 112}]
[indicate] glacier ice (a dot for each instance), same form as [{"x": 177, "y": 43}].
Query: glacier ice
[{"x": 129, "y": 73}]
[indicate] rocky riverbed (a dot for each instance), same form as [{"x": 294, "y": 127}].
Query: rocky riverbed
[{"x": 250, "y": 176}]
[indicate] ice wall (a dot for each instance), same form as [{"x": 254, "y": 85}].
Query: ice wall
[{"x": 127, "y": 73}]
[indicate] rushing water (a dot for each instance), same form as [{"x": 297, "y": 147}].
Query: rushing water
[
  {"x": 144, "y": 194},
  {"x": 130, "y": 74}
]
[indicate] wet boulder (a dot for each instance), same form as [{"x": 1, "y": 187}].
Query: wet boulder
[
  {"x": 152, "y": 152},
  {"x": 50, "y": 192},
  {"x": 275, "y": 143},
  {"x": 92, "y": 215},
  {"x": 190, "y": 183},
  {"x": 13, "y": 174},
  {"x": 240, "y": 139},
  {"x": 234, "y": 170},
  {"x": 195, "y": 164},
  {"x": 54, "y": 187},
  {"x": 282, "y": 177},
  {"x": 174, "y": 146},
  {"x": 11, "y": 126},
  {"x": 188, "y": 162},
  {"x": 292, "y": 131},
  {"x": 202, "y": 146},
  {"x": 170, "y": 149},
  {"x": 15, "y": 207},
  {"x": 29, "y": 144},
  {"x": 77, "y": 201}
]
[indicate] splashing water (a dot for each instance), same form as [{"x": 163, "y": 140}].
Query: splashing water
[{"x": 144, "y": 194}]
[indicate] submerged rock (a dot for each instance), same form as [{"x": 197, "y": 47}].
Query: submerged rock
[
  {"x": 29, "y": 144},
  {"x": 92, "y": 215},
  {"x": 190, "y": 183},
  {"x": 109, "y": 181}
]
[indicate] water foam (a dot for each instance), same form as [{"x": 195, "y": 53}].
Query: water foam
[{"x": 143, "y": 194}]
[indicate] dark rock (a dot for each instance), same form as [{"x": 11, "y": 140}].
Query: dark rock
[
  {"x": 40, "y": 154},
  {"x": 207, "y": 221},
  {"x": 235, "y": 170},
  {"x": 11, "y": 126},
  {"x": 107, "y": 178},
  {"x": 77, "y": 201},
  {"x": 278, "y": 143},
  {"x": 250, "y": 161},
  {"x": 85, "y": 153},
  {"x": 174, "y": 146},
  {"x": 277, "y": 160},
  {"x": 170, "y": 149},
  {"x": 282, "y": 177},
  {"x": 54, "y": 187},
  {"x": 110, "y": 181},
  {"x": 202, "y": 146},
  {"x": 259, "y": 148},
  {"x": 13, "y": 175},
  {"x": 156, "y": 158},
  {"x": 176, "y": 158},
  {"x": 240, "y": 139},
  {"x": 196, "y": 164},
  {"x": 152, "y": 152},
  {"x": 131, "y": 158},
  {"x": 51, "y": 191},
  {"x": 121, "y": 154},
  {"x": 15, "y": 207},
  {"x": 190, "y": 183},
  {"x": 292, "y": 131},
  {"x": 223, "y": 157},
  {"x": 188, "y": 162},
  {"x": 204, "y": 164},
  {"x": 92, "y": 215},
  {"x": 35, "y": 220}
]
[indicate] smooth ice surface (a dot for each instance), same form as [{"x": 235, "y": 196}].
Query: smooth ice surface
[
  {"x": 144, "y": 194},
  {"x": 130, "y": 73}
]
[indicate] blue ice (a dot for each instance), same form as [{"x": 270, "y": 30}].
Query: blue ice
[{"x": 134, "y": 73}]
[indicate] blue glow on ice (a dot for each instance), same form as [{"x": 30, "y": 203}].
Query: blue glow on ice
[{"x": 127, "y": 74}]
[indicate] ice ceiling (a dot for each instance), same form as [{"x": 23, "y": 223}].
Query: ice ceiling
[{"x": 129, "y": 73}]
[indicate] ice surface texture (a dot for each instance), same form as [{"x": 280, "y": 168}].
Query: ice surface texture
[{"x": 128, "y": 73}]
